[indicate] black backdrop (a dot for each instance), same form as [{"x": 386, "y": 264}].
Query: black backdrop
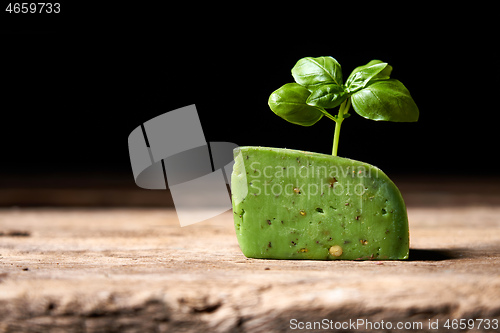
[{"x": 74, "y": 86}]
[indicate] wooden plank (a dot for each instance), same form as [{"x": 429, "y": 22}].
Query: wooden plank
[{"x": 121, "y": 270}]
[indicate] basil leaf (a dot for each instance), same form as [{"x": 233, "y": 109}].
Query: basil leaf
[
  {"x": 310, "y": 72},
  {"x": 385, "y": 100},
  {"x": 327, "y": 96},
  {"x": 384, "y": 74},
  {"x": 362, "y": 75},
  {"x": 289, "y": 102},
  {"x": 360, "y": 68}
]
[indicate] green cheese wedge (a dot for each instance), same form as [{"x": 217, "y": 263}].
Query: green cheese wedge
[{"x": 291, "y": 204}]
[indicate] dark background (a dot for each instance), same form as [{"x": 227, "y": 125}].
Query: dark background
[{"x": 75, "y": 85}]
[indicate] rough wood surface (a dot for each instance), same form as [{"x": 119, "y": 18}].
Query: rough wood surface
[{"x": 136, "y": 270}]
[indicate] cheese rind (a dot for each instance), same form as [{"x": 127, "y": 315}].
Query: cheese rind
[{"x": 291, "y": 204}]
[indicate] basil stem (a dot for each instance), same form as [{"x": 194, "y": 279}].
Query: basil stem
[{"x": 344, "y": 108}]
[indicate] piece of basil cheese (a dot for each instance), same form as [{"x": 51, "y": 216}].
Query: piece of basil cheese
[{"x": 291, "y": 204}]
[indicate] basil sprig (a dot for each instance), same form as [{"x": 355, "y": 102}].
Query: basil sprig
[{"x": 319, "y": 86}]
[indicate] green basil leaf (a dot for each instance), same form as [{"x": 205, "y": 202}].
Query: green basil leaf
[
  {"x": 310, "y": 72},
  {"x": 362, "y": 75},
  {"x": 385, "y": 100},
  {"x": 384, "y": 74},
  {"x": 360, "y": 68},
  {"x": 327, "y": 96},
  {"x": 289, "y": 102}
]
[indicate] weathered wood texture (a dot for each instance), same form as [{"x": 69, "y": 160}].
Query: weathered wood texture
[{"x": 136, "y": 270}]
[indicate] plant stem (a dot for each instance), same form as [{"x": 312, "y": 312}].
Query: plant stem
[
  {"x": 344, "y": 107},
  {"x": 336, "y": 138}
]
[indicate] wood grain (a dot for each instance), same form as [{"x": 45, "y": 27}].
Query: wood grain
[{"x": 136, "y": 270}]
